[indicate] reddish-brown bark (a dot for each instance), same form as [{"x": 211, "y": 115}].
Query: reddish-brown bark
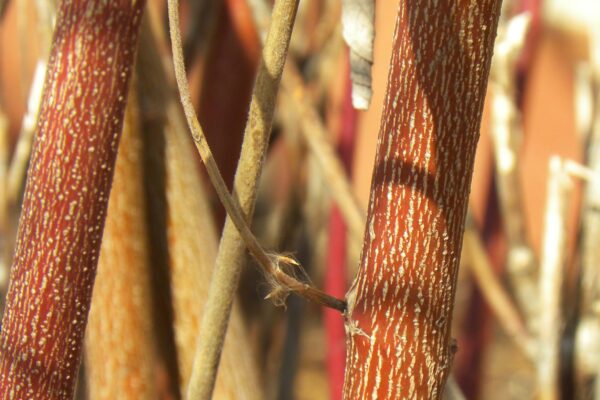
[
  {"x": 66, "y": 198},
  {"x": 400, "y": 306}
]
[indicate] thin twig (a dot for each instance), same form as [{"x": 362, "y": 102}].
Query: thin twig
[
  {"x": 314, "y": 133},
  {"x": 268, "y": 262},
  {"x": 591, "y": 226},
  {"x": 20, "y": 160},
  {"x": 494, "y": 294},
  {"x": 453, "y": 391},
  {"x": 506, "y": 134},
  {"x": 230, "y": 257},
  {"x": 551, "y": 279}
]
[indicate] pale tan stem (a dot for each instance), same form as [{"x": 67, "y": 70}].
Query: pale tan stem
[
  {"x": 193, "y": 249},
  {"x": 495, "y": 295},
  {"x": 20, "y": 159},
  {"x": 230, "y": 258},
  {"x": 591, "y": 226},
  {"x": 247, "y": 177},
  {"x": 590, "y": 280},
  {"x": 551, "y": 279},
  {"x": 315, "y": 134},
  {"x": 313, "y": 131},
  {"x": 506, "y": 134},
  {"x": 191, "y": 233}
]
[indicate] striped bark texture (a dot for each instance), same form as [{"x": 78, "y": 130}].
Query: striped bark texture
[
  {"x": 193, "y": 248},
  {"x": 66, "y": 198},
  {"x": 120, "y": 345},
  {"x": 400, "y": 305}
]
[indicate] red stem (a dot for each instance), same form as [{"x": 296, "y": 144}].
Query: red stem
[
  {"x": 400, "y": 306},
  {"x": 66, "y": 197}
]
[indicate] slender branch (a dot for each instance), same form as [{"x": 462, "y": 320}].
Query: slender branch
[
  {"x": 495, "y": 295},
  {"x": 269, "y": 262},
  {"x": 314, "y": 133},
  {"x": 552, "y": 278},
  {"x": 230, "y": 257},
  {"x": 506, "y": 135},
  {"x": 18, "y": 166}
]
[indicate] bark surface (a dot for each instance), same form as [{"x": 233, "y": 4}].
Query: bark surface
[
  {"x": 400, "y": 306},
  {"x": 66, "y": 198}
]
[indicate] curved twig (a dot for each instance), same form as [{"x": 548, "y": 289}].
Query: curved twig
[{"x": 269, "y": 263}]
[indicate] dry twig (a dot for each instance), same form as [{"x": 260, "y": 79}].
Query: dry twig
[
  {"x": 551, "y": 279},
  {"x": 231, "y": 255},
  {"x": 506, "y": 135}
]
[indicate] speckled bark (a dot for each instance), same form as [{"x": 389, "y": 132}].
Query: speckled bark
[
  {"x": 120, "y": 344},
  {"x": 400, "y": 306},
  {"x": 66, "y": 198}
]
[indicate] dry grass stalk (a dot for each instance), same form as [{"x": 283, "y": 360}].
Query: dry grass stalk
[
  {"x": 494, "y": 293},
  {"x": 552, "y": 273},
  {"x": 191, "y": 235},
  {"x": 236, "y": 234},
  {"x": 315, "y": 134},
  {"x": 120, "y": 346},
  {"x": 18, "y": 166},
  {"x": 590, "y": 279},
  {"x": 506, "y": 134}
]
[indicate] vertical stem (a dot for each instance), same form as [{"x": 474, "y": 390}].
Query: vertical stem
[
  {"x": 551, "y": 280},
  {"x": 231, "y": 253},
  {"x": 506, "y": 134},
  {"x": 400, "y": 306},
  {"x": 66, "y": 197}
]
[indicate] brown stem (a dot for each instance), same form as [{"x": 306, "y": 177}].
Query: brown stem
[
  {"x": 400, "y": 306},
  {"x": 66, "y": 197}
]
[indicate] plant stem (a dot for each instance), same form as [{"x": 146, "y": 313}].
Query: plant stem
[
  {"x": 400, "y": 305},
  {"x": 552, "y": 275},
  {"x": 506, "y": 133},
  {"x": 236, "y": 234},
  {"x": 66, "y": 197}
]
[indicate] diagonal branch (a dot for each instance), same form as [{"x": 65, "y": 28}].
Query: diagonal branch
[{"x": 231, "y": 255}]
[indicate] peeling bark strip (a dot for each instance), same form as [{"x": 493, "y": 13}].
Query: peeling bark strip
[
  {"x": 66, "y": 198},
  {"x": 400, "y": 306}
]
